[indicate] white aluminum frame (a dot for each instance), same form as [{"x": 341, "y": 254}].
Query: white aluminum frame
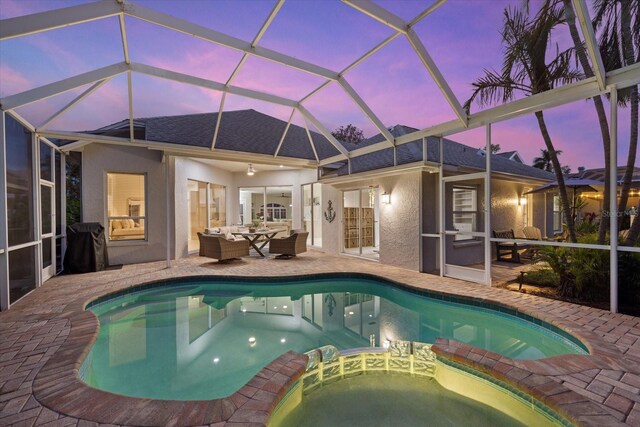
[{"x": 601, "y": 83}]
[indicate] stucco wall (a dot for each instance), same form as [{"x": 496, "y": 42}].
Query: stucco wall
[
  {"x": 506, "y": 214},
  {"x": 399, "y": 221},
  {"x": 98, "y": 160},
  {"x": 331, "y": 230}
]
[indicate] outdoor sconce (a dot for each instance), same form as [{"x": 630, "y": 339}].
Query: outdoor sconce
[
  {"x": 385, "y": 198},
  {"x": 250, "y": 170},
  {"x": 522, "y": 201}
]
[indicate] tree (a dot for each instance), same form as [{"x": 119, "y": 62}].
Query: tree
[
  {"x": 495, "y": 148},
  {"x": 350, "y": 134},
  {"x": 619, "y": 24},
  {"x": 525, "y": 70},
  {"x": 581, "y": 55},
  {"x": 544, "y": 161}
]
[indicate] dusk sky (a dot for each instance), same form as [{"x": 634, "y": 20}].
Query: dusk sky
[{"x": 462, "y": 36}]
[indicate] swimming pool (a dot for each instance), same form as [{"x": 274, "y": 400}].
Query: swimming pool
[{"x": 205, "y": 338}]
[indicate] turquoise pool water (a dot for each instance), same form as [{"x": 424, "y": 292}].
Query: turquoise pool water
[{"x": 205, "y": 339}]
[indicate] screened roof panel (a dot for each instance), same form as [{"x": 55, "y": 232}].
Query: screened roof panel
[
  {"x": 153, "y": 96},
  {"x": 39, "y": 112},
  {"x": 323, "y": 147},
  {"x": 164, "y": 48},
  {"x": 236, "y": 102},
  {"x": 240, "y": 19},
  {"x": 267, "y": 76},
  {"x": 463, "y": 37},
  {"x": 14, "y": 8},
  {"x": 334, "y": 108},
  {"x": 38, "y": 59},
  {"x": 330, "y": 34},
  {"x": 464, "y": 50},
  {"x": 405, "y": 9},
  {"x": 296, "y": 143},
  {"x": 397, "y": 86},
  {"x": 107, "y": 105}
]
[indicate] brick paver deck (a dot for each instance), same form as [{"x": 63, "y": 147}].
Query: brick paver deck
[{"x": 45, "y": 335}]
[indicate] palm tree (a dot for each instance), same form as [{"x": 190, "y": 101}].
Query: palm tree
[
  {"x": 570, "y": 18},
  {"x": 525, "y": 70},
  {"x": 544, "y": 161},
  {"x": 619, "y": 23}
]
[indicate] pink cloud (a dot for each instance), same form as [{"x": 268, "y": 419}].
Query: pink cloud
[{"x": 12, "y": 81}]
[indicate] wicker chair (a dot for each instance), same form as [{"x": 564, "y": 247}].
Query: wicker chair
[
  {"x": 219, "y": 248},
  {"x": 533, "y": 233},
  {"x": 290, "y": 246}
]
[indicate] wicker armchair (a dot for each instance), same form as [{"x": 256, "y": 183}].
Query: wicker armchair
[
  {"x": 290, "y": 246},
  {"x": 219, "y": 248}
]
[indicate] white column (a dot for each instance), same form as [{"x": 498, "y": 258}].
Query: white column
[
  {"x": 613, "y": 202},
  {"x": 487, "y": 209},
  {"x": 4, "y": 244},
  {"x": 167, "y": 185},
  {"x": 63, "y": 202},
  {"x": 37, "y": 213},
  {"x": 441, "y": 227}
]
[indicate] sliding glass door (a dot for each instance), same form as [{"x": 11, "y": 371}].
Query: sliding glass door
[{"x": 360, "y": 222}]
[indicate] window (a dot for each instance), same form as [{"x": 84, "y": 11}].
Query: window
[
  {"x": 275, "y": 212},
  {"x": 126, "y": 206},
  {"x": 557, "y": 213},
  {"x": 265, "y": 204},
  {"x": 465, "y": 211}
]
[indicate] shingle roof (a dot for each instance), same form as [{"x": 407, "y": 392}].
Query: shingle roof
[
  {"x": 242, "y": 130},
  {"x": 599, "y": 174},
  {"x": 455, "y": 154}
]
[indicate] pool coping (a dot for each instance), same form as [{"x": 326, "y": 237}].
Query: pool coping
[{"x": 59, "y": 387}]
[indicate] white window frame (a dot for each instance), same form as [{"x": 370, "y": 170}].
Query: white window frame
[
  {"x": 473, "y": 213},
  {"x": 108, "y": 218}
]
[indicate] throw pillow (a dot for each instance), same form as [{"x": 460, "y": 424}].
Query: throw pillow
[{"x": 229, "y": 236}]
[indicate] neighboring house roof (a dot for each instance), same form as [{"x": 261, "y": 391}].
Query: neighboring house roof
[
  {"x": 455, "y": 154},
  {"x": 242, "y": 130},
  {"x": 511, "y": 155},
  {"x": 598, "y": 174}
]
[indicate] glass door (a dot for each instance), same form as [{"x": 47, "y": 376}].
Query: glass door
[
  {"x": 47, "y": 211},
  {"x": 197, "y": 220},
  {"x": 361, "y": 222},
  {"x": 47, "y": 195}
]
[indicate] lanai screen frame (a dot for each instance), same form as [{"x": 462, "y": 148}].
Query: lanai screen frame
[{"x": 602, "y": 83}]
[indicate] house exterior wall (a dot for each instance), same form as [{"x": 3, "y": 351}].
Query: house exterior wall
[
  {"x": 399, "y": 221},
  {"x": 506, "y": 214},
  {"x": 98, "y": 160}
]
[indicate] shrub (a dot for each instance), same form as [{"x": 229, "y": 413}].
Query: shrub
[{"x": 584, "y": 273}]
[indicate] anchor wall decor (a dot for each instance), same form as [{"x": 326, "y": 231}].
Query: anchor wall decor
[{"x": 330, "y": 213}]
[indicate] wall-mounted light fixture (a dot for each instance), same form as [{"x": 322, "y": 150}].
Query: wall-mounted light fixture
[
  {"x": 385, "y": 198},
  {"x": 250, "y": 170},
  {"x": 522, "y": 201}
]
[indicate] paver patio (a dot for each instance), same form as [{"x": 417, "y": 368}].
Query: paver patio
[{"x": 49, "y": 327}]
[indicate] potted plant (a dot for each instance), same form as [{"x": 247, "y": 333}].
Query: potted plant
[{"x": 254, "y": 224}]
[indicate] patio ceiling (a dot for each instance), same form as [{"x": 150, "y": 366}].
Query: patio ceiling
[{"x": 240, "y": 77}]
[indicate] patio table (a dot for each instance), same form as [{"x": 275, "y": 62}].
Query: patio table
[{"x": 252, "y": 237}]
